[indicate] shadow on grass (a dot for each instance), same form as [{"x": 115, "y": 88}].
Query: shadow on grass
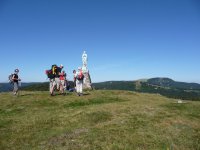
[
  {"x": 97, "y": 117},
  {"x": 86, "y": 94},
  {"x": 46, "y": 103},
  {"x": 94, "y": 101},
  {"x": 28, "y": 94}
]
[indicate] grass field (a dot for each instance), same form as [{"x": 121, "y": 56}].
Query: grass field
[{"x": 100, "y": 120}]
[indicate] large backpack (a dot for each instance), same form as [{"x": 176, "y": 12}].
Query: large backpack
[
  {"x": 10, "y": 78},
  {"x": 51, "y": 72},
  {"x": 54, "y": 69},
  {"x": 80, "y": 76}
]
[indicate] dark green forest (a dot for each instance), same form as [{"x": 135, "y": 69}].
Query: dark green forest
[{"x": 164, "y": 86}]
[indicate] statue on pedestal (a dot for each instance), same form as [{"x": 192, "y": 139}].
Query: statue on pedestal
[
  {"x": 87, "y": 79},
  {"x": 84, "y": 60}
]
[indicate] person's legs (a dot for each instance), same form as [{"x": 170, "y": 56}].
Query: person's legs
[
  {"x": 74, "y": 84},
  {"x": 52, "y": 85},
  {"x": 15, "y": 88},
  {"x": 65, "y": 86},
  {"x": 77, "y": 87},
  {"x": 81, "y": 88},
  {"x": 57, "y": 80},
  {"x": 62, "y": 86}
]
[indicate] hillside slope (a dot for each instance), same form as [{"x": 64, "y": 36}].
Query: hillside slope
[
  {"x": 98, "y": 120},
  {"x": 6, "y": 87},
  {"x": 164, "y": 86},
  {"x": 167, "y": 82}
]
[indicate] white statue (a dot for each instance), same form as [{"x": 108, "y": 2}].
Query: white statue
[{"x": 84, "y": 59}]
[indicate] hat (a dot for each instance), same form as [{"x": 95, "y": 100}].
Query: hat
[
  {"x": 16, "y": 70},
  {"x": 79, "y": 68},
  {"x": 61, "y": 65}
]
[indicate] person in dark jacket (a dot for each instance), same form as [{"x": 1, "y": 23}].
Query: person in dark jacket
[
  {"x": 15, "y": 79},
  {"x": 74, "y": 74}
]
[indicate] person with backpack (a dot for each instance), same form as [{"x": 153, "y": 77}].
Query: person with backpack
[
  {"x": 51, "y": 75},
  {"x": 57, "y": 76},
  {"x": 52, "y": 84},
  {"x": 63, "y": 82},
  {"x": 15, "y": 79},
  {"x": 79, "y": 82},
  {"x": 54, "y": 77}
]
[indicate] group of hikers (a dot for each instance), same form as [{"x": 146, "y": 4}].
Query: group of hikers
[{"x": 57, "y": 80}]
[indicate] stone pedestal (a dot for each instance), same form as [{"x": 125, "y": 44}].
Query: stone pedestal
[{"x": 87, "y": 84}]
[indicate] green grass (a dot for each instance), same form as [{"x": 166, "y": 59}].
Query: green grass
[
  {"x": 93, "y": 101},
  {"x": 101, "y": 120}
]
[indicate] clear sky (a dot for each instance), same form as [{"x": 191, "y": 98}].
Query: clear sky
[{"x": 124, "y": 39}]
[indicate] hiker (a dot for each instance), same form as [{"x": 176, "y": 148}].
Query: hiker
[
  {"x": 74, "y": 73},
  {"x": 52, "y": 84},
  {"x": 51, "y": 75},
  {"x": 57, "y": 76},
  {"x": 15, "y": 79},
  {"x": 79, "y": 82},
  {"x": 54, "y": 77},
  {"x": 62, "y": 82}
]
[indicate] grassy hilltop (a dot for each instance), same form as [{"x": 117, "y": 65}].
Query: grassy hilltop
[{"x": 107, "y": 120}]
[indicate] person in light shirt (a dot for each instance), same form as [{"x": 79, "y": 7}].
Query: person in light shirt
[{"x": 79, "y": 82}]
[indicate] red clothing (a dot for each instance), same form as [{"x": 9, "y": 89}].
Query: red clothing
[{"x": 62, "y": 76}]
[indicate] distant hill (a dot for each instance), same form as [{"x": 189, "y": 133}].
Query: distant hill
[
  {"x": 167, "y": 82},
  {"x": 44, "y": 86},
  {"x": 110, "y": 85},
  {"x": 158, "y": 82},
  {"x": 5, "y": 87},
  {"x": 163, "y": 86},
  {"x": 115, "y": 85}
]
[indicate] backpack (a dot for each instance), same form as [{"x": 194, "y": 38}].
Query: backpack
[
  {"x": 51, "y": 72},
  {"x": 10, "y": 78},
  {"x": 80, "y": 76},
  {"x": 54, "y": 69}
]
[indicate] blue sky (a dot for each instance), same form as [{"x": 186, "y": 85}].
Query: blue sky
[{"x": 124, "y": 39}]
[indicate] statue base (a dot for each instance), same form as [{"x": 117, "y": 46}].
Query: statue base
[{"x": 87, "y": 84}]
